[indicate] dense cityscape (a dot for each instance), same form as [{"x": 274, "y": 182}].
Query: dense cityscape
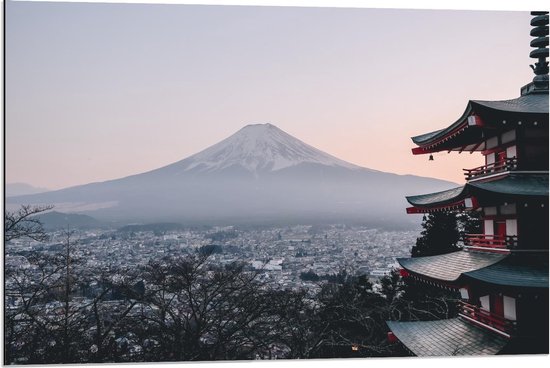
[
  {"x": 281, "y": 254},
  {"x": 116, "y": 295}
]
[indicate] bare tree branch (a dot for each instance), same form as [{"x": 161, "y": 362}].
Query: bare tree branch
[{"x": 23, "y": 223}]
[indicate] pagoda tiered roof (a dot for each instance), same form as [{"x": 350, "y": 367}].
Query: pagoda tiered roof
[
  {"x": 517, "y": 270},
  {"x": 520, "y": 185},
  {"x": 446, "y": 338},
  {"x": 449, "y": 267},
  {"x": 531, "y": 104},
  {"x": 522, "y": 270},
  {"x": 481, "y": 119},
  {"x": 516, "y": 185},
  {"x": 513, "y": 135},
  {"x": 438, "y": 198},
  {"x": 445, "y": 200}
]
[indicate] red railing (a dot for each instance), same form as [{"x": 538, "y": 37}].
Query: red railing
[
  {"x": 491, "y": 241},
  {"x": 486, "y": 318},
  {"x": 499, "y": 166}
]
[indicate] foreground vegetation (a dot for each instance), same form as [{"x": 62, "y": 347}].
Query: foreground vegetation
[{"x": 192, "y": 309}]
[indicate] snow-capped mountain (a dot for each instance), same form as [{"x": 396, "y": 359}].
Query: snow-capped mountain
[
  {"x": 259, "y": 174},
  {"x": 260, "y": 148}
]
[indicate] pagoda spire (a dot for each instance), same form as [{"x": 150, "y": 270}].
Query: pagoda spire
[{"x": 540, "y": 42}]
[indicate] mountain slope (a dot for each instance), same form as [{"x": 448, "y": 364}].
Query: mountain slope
[
  {"x": 16, "y": 189},
  {"x": 57, "y": 220},
  {"x": 259, "y": 174},
  {"x": 259, "y": 148}
]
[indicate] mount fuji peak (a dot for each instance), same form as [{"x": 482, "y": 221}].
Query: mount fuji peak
[
  {"x": 259, "y": 148},
  {"x": 260, "y": 174}
]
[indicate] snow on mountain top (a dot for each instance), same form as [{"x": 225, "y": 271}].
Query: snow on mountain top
[{"x": 261, "y": 147}]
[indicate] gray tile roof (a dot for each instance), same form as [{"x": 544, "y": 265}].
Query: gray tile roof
[
  {"x": 512, "y": 184},
  {"x": 443, "y": 197},
  {"x": 427, "y": 136},
  {"x": 446, "y": 338},
  {"x": 529, "y": 105},
  {"x": 516, "y": 184},
  {"x": 449, "y": 267},
  {"x": 516, "y": 270}
]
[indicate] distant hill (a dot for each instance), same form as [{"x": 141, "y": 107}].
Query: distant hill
[
  {"x": 259, "y": 175},
  {"x": 56, "y": 220},
  {"x": 157, "y": 227},
  {"x": 17, "y": 189}
]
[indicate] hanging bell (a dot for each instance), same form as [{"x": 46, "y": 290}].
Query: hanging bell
[{"x": 431, "y": 158}]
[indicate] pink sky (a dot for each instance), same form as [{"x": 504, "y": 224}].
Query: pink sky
[{"x": 102, "y": 91}]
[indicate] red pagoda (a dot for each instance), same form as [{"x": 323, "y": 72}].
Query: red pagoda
[{"x": 501, "y": 274}]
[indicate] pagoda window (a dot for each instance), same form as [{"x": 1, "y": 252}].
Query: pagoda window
[
  {"x": 508, "y": 137},
  {"x": 488, "y": 227},
  {"x": 509, "y": 308},
  {"x": 508, "y": 209},
  {"x": 511, "y": 227},
  {"x": 490, "y": 211},
  {"x": 492, "y": 142},
  {"x": 511, "y": 152},
  {"x": 485, "y": 303},
  {"x": 490, "y": 158}
]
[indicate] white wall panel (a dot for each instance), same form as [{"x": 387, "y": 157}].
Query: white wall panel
[
  {"x": 511, "y": 152},
  {"x": 490, "y": 158},
  {"x": 485, "y": 302},
  {"x": 509, "y": 308},
  {"x": 489, "y": 227},
  {"x": 512, "y": 227},
  {"x": 509, "y": 136}
]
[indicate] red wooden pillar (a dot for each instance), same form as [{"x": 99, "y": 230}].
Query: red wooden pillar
[{"x": 497, "y": 305}]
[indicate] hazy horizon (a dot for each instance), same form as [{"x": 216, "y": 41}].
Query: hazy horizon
[{"x": 102, "y": 91}]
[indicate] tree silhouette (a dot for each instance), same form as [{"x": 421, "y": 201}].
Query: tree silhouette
[
  {"x": 23, "y": 223},
  {"x": 440, "y": 235}
]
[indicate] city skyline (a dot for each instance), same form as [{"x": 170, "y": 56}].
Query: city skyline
[{"x": 120, "y": 89}]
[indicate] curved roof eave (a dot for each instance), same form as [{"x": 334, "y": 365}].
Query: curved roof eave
[
  {"x": 532, "y": 104},
  {"x": 447, "y": 337},
  {"x": 438, "y": 198},
  {"x": 433, "y": 136},
  {"x": 529, "y": 185},
  {"x": 449, "y": 267},
  {"x": 535, "y": 185},
  {"x": 516, "y": 271}
]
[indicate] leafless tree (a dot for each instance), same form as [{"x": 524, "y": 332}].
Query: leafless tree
[
  {"x": 202, "y": 311},
  {"x": 23, "y": 223},
  {"x": 298, "y": 328},
  {"x": 27, "y": 291},
  {"x": 45, "y": 322}
]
